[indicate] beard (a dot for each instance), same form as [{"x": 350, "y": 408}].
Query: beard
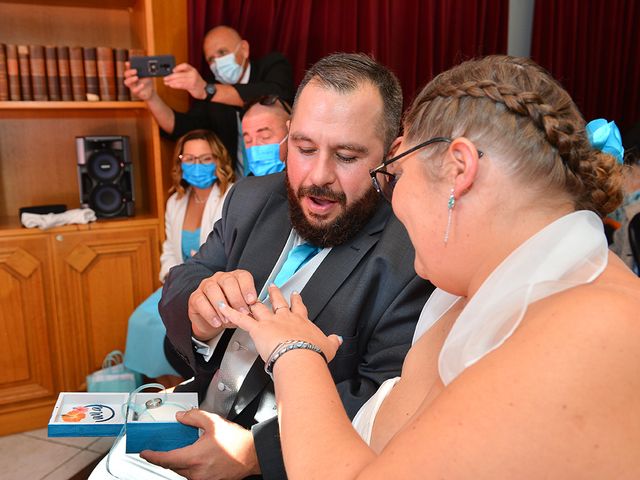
[{"x": 336, "y": 232}]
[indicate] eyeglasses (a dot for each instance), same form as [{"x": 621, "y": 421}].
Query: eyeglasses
[
  {"x": 205, "y": 158},
  {"x": 267, "y": 101},
  {"x": 385, "y": 183}
]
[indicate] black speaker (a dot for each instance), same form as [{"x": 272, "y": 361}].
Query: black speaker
[{"x": 105, "y": 175}]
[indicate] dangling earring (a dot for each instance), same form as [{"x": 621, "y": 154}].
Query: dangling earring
[{"x": 450, "y": 205}]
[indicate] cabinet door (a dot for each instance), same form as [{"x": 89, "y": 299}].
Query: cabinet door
[
  {"x": 28, "y": 370},
  {"x": 102, "y": 277}
]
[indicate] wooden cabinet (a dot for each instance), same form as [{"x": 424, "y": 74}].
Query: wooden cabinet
[{"x": 66, "y": 293}]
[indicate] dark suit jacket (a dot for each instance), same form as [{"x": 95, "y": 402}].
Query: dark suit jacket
[
  {"x": 366, "y": 290},
  {"x": 271, "y": 74}
]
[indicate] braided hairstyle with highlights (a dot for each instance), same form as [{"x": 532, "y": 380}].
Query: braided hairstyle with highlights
[{"x": 513, "y": 107}]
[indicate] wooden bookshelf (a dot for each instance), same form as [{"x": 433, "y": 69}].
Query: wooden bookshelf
[{"x": 67, "y": 292}]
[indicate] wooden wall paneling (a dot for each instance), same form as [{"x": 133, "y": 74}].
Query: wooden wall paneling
[
  {"x": 29, "y": 369},
  {"x": 102, "y": 277}
]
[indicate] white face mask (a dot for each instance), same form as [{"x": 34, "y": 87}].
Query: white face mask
[{"x": 226, "y": 69}]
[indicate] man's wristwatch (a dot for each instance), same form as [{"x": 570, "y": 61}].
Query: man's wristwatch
[{"x": 210, "y": 90}]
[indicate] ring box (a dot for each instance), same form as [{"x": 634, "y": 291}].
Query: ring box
[{"x": 151, "y": 425}]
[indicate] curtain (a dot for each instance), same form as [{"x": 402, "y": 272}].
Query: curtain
[
  {"x": 416, "y": 39},
  {"x": 593, "y": 48}
]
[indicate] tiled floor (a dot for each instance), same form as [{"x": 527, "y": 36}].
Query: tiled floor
[{"x": 34, "y": 456}]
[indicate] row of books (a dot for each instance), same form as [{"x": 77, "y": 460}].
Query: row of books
[{"x": 41, "y": 73}]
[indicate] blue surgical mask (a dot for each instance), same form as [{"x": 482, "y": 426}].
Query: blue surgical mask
[
  {"x": 200, "y": 175},
  {"x": 265, "y": 159},
  {"x": 226, "y": 69}
]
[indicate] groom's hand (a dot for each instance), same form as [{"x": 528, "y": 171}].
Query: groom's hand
[
  {"x": 235, "y": 288},
  {"x": 224, "y": 451}
]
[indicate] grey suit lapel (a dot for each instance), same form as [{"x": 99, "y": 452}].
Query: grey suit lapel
[
  {"x": 273, "y": 224},
  {"x": 341, "y": 262}
]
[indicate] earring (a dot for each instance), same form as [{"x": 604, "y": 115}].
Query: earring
[{"x": 451, "y": 203}]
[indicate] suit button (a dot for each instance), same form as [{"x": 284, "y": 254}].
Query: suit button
[{"x": 222, "y": 387}]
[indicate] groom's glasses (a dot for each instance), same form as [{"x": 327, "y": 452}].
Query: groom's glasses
[{"x": 384, "y": 181}]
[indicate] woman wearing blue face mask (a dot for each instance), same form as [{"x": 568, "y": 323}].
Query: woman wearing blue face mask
[{"x": 202, "y": 175}]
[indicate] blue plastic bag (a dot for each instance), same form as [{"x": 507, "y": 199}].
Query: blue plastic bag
[{"x": 113, "y": 376}]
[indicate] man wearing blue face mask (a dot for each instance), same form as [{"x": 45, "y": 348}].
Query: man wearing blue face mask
[
  {"x": 264, "y": 131},
  {"x": 237, "y": 80}
]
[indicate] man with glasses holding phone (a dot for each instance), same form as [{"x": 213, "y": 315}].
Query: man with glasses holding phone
[
  {"x": 238, "y": 80},
  {"x": 318, "y": 228}
]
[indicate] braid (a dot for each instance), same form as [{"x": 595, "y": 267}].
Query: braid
[{"x": 524, "y": 91}]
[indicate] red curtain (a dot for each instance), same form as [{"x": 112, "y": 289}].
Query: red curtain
[
  {"x": 417, "y": 39},
  {"x": 593, "y": 48}
]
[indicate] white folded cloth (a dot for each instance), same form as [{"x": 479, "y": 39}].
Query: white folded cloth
[{"x": 50, "y": 220}]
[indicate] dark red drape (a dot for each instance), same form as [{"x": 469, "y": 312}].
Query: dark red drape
[
  {"x": 417, "y": 39},
  {"x": 593, "y": 48}
]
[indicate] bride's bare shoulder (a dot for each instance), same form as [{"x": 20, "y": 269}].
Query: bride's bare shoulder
[{"x": 610, "y": 302}]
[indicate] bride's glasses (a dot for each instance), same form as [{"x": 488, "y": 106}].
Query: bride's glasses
[{"x": 384, "y": 181}]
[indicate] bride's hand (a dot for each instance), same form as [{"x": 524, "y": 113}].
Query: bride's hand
[{"x": 271, "y": 326}]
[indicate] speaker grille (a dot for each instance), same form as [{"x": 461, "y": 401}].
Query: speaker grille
[{"x": 105, "y": 175}]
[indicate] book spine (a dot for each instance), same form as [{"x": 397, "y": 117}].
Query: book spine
[
  {"x": 4, "y": 79},
  {"x": 53, "y": 82},
  {"x": 91, "y": 74},
  {"x": 122, "y": 55},
  {"x": 38, "y": 73},
  {"x": 106, "y": 73},
  {"x": 64, "y": 74},
  {"x": 76, "y": 66},
  {"x": 25, "y": 72},
  {"x": 135, "y": 52},
  {"x": 13, "y": 72}
]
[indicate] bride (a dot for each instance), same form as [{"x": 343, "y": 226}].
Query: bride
[{"x": 525, "y": 360}]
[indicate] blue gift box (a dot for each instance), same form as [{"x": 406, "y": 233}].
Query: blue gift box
[{"x": 151, "y": 423}]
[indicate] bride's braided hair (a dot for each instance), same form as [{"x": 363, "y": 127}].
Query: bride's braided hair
[{"x": 513, "y": 106}]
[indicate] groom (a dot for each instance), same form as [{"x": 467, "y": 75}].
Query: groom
[{"x": 356, "y": 277}]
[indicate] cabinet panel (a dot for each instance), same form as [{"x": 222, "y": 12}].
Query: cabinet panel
[
  {"x": 27, "y": 368},
  {"x": 102, "y": 277}
]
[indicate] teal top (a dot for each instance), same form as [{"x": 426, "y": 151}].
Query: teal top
[{"x": 190, "y": 242}]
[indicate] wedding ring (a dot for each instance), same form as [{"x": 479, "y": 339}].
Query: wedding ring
[
  {"x": 153, "y": 403},
  {"x": 275, "y": 310}
]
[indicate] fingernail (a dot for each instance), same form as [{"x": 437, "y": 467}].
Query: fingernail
[
  {"x": 295, "y": 292},
  {"x": 179, "y": 414},
  {"x": 222, "y": 305},
  {"x": 340, "y": 339},
  {"x": 215, "y": 321},
  {"x": 272, "y": 285},
  {"x": 251, "y": 298},
  {"x": 244, "y": 310}
]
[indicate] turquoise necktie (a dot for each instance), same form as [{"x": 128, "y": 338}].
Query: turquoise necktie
[{"x": 297, "y": 257}]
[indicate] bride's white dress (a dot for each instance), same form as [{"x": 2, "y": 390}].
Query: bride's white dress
[{"x": 568, "y": 252}]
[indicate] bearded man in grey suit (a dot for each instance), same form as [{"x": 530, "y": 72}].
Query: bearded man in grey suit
[{"x": 358, "y": 282}]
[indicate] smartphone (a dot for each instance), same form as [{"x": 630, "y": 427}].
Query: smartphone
[{"x": 153, "y": 65}]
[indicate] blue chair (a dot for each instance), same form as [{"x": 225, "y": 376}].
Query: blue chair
[{"x": 634, "y": 239}]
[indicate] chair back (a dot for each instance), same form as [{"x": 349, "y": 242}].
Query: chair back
[{"x": 634, "y": 238}]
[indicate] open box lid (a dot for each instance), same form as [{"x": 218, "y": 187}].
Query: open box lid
[
  {"x": 82, "y": 414},
  {"x": 87, "y": 415}
]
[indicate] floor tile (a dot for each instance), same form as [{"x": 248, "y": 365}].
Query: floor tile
[
  {"x": 101, "y": 445},
  {"x": 80, "y": 442},
  {"x": 72, "y": 466},
  {"x": 26, "y": 457}
]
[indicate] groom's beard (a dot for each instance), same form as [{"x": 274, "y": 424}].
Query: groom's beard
[{"x": 336, "y": 232}]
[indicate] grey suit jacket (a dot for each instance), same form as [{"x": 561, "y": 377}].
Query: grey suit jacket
[{"x": 366, "y": 290}]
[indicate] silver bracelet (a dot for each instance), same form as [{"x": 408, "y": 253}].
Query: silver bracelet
[{"x": 287, "y": 346}]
